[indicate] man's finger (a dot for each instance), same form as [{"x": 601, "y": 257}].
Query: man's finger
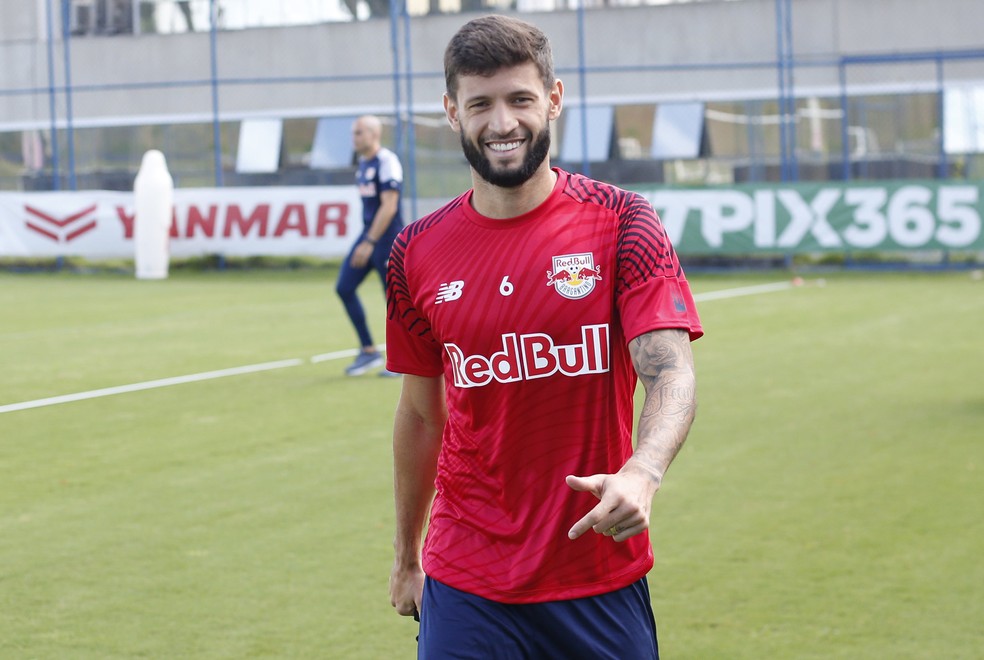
[
  {"x": 580, "y": 527},
  {"x": 589, "y": 521}
]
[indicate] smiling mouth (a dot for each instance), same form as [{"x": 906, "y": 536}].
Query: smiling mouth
[{"x": 504, "y": 147}]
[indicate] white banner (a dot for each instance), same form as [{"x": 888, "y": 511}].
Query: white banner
[{"x": 98, "y": 224}]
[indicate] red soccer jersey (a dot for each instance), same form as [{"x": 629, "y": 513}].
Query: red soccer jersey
[{"x": 528, "y": 320}]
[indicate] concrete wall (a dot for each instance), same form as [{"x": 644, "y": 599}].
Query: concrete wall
[{"x": 682, "y": 40}]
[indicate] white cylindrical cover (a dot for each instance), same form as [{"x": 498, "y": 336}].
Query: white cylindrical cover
[{"x": 153, "y": 192}]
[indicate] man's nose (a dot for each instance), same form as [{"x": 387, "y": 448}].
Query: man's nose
[{"x": 503, "y": 120}]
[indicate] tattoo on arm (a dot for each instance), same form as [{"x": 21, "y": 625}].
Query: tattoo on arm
[{"x": 664, "y": 363}]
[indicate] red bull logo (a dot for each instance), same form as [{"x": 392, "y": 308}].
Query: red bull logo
[
  {"x": 562, "y": 275},
  {"x": 574, "y": 275},
  {"x": 525, "y": 357}
]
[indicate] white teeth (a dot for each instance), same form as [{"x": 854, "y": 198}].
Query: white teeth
[{"x": 508, "y": 146}]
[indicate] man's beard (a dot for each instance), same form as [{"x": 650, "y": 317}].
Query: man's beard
[{"x": 509, "y": 178}]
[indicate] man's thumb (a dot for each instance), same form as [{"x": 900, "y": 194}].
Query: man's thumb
[{"x": 590, "y": 484}]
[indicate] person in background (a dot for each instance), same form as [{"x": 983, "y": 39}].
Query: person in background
[
  {"x": 380, "y": 180},
  {"x": 522, "y": 314}
]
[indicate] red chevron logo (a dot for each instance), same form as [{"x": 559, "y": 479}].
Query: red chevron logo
[{"x": 65, "y": 229}]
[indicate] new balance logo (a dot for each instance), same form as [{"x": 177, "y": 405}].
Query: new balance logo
[{"x": 449, "y": 291}]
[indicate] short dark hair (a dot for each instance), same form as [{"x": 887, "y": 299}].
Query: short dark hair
[{"x": 484, "y": 45}]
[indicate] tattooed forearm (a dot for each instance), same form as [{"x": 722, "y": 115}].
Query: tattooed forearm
[{"x": 665, "y": 366}]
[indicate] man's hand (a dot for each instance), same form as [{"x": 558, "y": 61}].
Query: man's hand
[
  {"x": 625, "y": 502},
  {"x": 362, "y": 254},
  {"x": 406, "y": 589}
]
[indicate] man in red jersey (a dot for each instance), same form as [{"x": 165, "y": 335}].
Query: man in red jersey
[{"x": 522, "y": 314}]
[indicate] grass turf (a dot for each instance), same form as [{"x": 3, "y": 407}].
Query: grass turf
[{"x": 826, "y": 505}]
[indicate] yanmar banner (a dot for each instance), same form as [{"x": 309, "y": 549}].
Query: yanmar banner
[
  {"x": 316, "y": 221},
  {"x": 890, "y": 216}
]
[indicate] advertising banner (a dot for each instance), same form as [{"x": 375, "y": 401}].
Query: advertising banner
[
  {"x": 323, "y": 221},
  {"x": 287, "y": 221},
  {"x": 822, "y": 217}
]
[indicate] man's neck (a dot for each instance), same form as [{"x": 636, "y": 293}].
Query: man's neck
[{"x": 505, "y": 203}]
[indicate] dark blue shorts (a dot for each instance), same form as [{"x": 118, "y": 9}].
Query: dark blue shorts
[{"x": 617, "y": 625}]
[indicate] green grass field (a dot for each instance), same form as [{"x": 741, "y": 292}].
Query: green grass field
[{"x": 827, "y": 505}]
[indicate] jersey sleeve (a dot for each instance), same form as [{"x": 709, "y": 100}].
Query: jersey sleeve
[
  {"x": 652, "y": 292},
  {"x": 410, "y": 345},
  {"x": 390, "y": 171}
]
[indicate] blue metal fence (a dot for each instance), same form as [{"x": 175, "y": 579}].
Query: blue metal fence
[{"x": 403, "y": 78}]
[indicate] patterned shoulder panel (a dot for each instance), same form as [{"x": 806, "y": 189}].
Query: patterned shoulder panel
[
  {"x": 643, "y": 247},
  {"x": 399, "y": 301},
  {"x": 590, "y": 191}
]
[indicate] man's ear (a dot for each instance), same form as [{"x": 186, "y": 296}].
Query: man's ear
[
  {"x": 451, "y": 110},
  {"x": 556, "y": 99}
]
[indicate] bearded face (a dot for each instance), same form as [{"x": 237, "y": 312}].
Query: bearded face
[{"x": 503, "y": 176}]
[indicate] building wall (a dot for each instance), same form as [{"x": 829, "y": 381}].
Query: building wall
[{"x": 698, "y": 50}]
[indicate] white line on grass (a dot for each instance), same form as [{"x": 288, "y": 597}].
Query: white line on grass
[
  {"x": 294, "y": 362},
  {"x": 743, "y": 291},
  {"x": 151, "y": 384},
  {"x": 351, "y": 352}
]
